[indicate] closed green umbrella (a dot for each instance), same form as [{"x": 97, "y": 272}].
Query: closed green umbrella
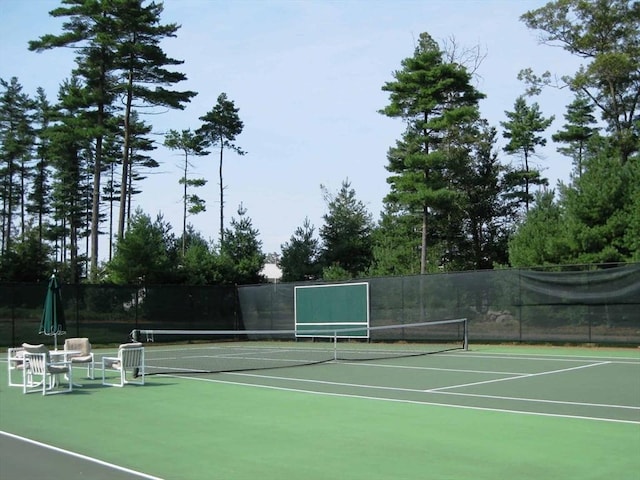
[{"x": 53, "y": 314}]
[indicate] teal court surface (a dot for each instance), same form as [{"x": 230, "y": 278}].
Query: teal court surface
[{"x": 492, "y": 412}]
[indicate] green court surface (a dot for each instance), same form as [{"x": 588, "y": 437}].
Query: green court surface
[{"x": 492, "y": 412}]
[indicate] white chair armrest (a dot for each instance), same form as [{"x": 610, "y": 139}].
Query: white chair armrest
[{"x": 108, "y": 362}]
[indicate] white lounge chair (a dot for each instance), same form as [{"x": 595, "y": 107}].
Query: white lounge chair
[
  {"x": 85, "y": 354},
  {"x": 41, "y": 374},
  {"x": 15, "y": 363},
  {"x": 130, "y": 358}
]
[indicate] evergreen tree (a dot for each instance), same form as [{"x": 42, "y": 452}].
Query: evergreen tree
[
  {"x": 221, "y": 126},
  {"x": 139, "y": 145},
  {"x": 145, "y": 253},
  {"x": 241, "y": 254},
  {"x": 28, "y": 261},
  {"x": 189, "y": 144},
  {"x": 199, "y": 263},
  {"x": 600, "y": 209},
  {"x": 300, "y": 255},
  {"x": 541, "y": 239},
  {"x": 70, "y": 151},
  {"x": 39, "y": 197},
  {"x": 577, "y": 131},
  {"x": 17, "y": 140},
  {"x": 632, "y": 234},
  {"x": 90, "y": 30},
  {"x": 522, "y": 129},
  {"x": 435, "y": 98},
  {"x": 112, "y": 152},
  {"x": 143, "y": 73},
  {"x": 346, "y": 233},
  {"x": 605, "y": 34},
  {"x": 487, "y": 215},
  {"x": 395, "y": 243}
]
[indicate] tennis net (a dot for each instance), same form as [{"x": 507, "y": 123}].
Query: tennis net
[{"x": 211, "y": 351}]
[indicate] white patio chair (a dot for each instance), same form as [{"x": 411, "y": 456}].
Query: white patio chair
[
  {"x": 41, "y": 374},
  {"x": 15, "y": 363},
  {"x": 83, "y": 346},
  {"x": 130, "y": 358}
]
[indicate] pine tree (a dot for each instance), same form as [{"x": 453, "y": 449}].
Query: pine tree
[
  {"x": 541, "y": 239},
  {"x": 577, "y": 131},
  {"x": 300, "y": 255},
  {"x": 487, "y": 215},
  {"x": 17, "y": 140},
  {"x": 190, "y": 144},
  {"x": 39, "y": 198},
  {"x": 90, "y": 31},
  {"x": 395, "y": 242},
  {"x": 522, "y": 129},
  {"x": 435, "y": 99},
  {"x": 144, "y": 254},
  {"x": 604, "y": 33},
  {"x": 143, "y": 73},
  {"x": 346, "y": 233},
  {"x": 221, "y": 126},
  {"x": 71, "y": 155},
  {"x": 241, "y": 251}
]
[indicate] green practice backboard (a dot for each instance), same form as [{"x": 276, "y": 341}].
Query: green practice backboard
[{"x": 320, "y": 310}]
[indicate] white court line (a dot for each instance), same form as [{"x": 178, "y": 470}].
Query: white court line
[
  {"x": 415, "y": 367},
  {"x": 414, "y": 390},
  {"x": 414, "y": 402},
  {"x": 528, "y": 375},
  {"x": 540, "y": 400},
  {"x": 83, "y": 457},
  {"x": 553, "y": 357},
  {"x": 325, "y": 382}
]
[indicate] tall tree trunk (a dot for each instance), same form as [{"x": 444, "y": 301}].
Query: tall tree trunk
[
  {"x": 95, "y": 203},
  {"x": 124, "y": 183},
  {"x": 221, "y": 194},
  {"x": 423, "y": 250},
  {"x": 97, "y": 168}
]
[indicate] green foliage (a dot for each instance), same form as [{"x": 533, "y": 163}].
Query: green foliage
[
  {"x": 300, "y": 255},
  {"x": 189, "y": 144},
  {"x": 395, "y": 243},
  {"x": 541, "y": 239},
  {"x": 632, "y": 235},
  {"x": 595, "y": 220},
  {"x": 436, "y": 100},
  {"x": 221, "y": 126},
  {"x": 522, "y": 129},
  {"x": 145, "y": 254},
  {"x": 16, "y": 139},
  {"x": 486, "y": 211},
  {"x": 199, "y": 265},
  {"x": 604, "y": 33},
  {"x": 27, "y": 261},
  {"x": 335, "y": 273},
  {"x": 577, "y": 131},
  {"x": 346, "y": 233},
  {"x": 241, "y": 258},
  {"x": 119, "y": 55},
  {"x": 600, "y": 205}
]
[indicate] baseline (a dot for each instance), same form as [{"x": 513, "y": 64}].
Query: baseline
[{"x": 93, "y": 460}]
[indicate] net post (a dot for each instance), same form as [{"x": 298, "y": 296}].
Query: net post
[
  {"x": 465, "y": 342},
  {"x": 335, "y": 346}
]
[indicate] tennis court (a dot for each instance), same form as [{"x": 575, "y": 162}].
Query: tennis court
[{"x": 487, "y": 413}]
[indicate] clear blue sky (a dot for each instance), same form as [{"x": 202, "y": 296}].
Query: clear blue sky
[{"x": 307, "y": 77}]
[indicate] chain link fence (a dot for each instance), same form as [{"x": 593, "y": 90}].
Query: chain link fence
[{"x": 591, "y": 305}]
